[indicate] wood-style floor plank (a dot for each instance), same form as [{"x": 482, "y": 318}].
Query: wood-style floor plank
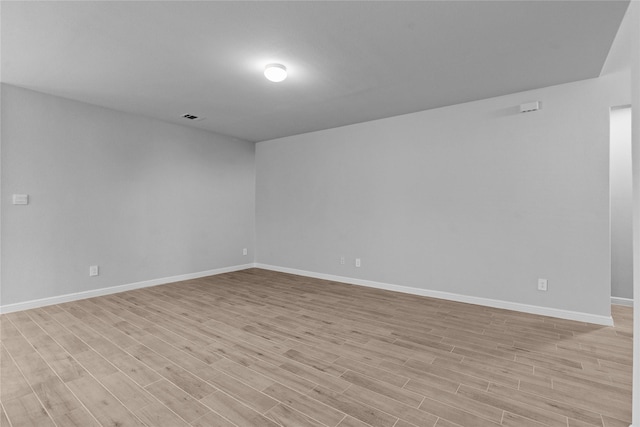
[{"x": 260, "y": 348}]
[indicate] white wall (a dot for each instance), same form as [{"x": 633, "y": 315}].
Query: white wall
[
  {"x": 475, "y": 199},
  {"x": 624, "y": 58},
  {"x": 632, "y": 25},
  {"x": 621, "y": 204},
  {"x": 141, "y": 198}
]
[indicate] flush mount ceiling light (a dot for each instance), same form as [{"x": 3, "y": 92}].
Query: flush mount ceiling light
[{"x": 275, "y": 72}]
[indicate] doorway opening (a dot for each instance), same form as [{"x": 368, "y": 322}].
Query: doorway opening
[{"x": 621, "y": 205}]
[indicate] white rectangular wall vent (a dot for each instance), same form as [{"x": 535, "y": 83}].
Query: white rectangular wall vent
[
  {"x": 20, "y": 199},
  {"x": 530, "y": 106}
]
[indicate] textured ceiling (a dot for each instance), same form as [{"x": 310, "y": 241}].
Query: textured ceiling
[{"x": 348, "y": 62}]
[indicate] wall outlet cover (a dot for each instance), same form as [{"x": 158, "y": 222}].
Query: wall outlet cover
[{"x": 542, "y": 284}]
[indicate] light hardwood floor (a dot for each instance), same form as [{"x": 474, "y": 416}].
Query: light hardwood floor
[{"x": 259, "y": 348}]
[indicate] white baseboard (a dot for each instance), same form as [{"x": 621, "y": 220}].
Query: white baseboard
[
  {"x": 544, "y": 311},
  {"x": 533, "y": 309},
  {"x": 622, "y": 301},
  {"x": 9, "y": 308}
]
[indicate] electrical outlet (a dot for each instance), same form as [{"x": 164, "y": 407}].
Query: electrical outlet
[
  {"x": 93, "y": 270},
  {"x": 358, "y": 263},
  {"x": 244, "y": 251},
  {"x": 542, "y": 284},
  {"x": 342, "y": 261}
]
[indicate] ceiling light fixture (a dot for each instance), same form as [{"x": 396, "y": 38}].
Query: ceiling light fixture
[{"x": 275, "y": 72}]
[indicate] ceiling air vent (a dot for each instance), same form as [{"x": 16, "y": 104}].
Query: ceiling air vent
[{"x": 191, "y": 117}]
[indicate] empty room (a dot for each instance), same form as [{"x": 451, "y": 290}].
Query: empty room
[{"x": 319, "y": 213}]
